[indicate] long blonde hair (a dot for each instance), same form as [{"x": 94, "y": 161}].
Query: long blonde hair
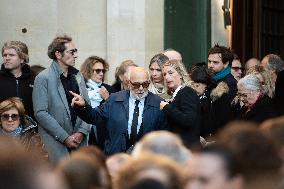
[
  {"x": 268, "y": 84},
  {"x": 180, "y": 68}
]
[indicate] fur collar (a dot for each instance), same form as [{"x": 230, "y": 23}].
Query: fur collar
[{"x": 221, "y": 89}]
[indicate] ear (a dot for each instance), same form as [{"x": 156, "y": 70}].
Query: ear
[{"x": 58, "y": 55}]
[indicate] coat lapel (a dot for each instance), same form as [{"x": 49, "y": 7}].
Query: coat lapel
[{"x": 60, "y": 88}]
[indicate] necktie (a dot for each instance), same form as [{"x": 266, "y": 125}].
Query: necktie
[{"x": 133, "y": 133}]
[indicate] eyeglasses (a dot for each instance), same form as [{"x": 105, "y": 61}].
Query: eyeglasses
[
  {"x": 72, "y": 51},
  {"x": 6, "y": 117},
  {"x": 238, "y": 68},
  {"x": 99, "y": 71},
  {"x": 245, "y": 94},
  {"x": 136, "y": 85}
]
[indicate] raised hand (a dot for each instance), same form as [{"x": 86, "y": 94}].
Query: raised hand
[
  {"x": 104, "y": 93},
  {"x": 77, "y": 100}
]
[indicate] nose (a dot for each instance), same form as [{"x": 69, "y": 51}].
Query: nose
[
  {"x": 75, "y": 55},
  {"x": 10, "y": 118},
  {"x": 140, "y": 87},
  {"x": 154, "y": 72}
]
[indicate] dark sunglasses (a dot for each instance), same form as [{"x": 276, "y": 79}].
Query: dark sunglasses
[
  {"x": 136, "y": 85},
  {"x": 6, "y": 117},
  {"x": 72, "y": 51},
  {"x": 238, "y": 68},
  {"x": 99, "y": 71}
]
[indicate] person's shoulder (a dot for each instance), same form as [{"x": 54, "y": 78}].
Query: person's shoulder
[
  {"x": 230, "y": 80},
  {"x": 187, "y": 89},
  {"x": 119, "y": 96},
  {"x": 153, "y": 96},
  {"x": 43, "y": 74}
]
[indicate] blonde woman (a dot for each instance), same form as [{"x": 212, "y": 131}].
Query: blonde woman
[
  {"x": 183, "y": 111},
  {"x": 265, "y": 79},
  {"x": 14, "y": 123}
]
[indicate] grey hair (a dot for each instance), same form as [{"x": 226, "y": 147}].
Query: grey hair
[
  {"x": 251, "y": 82},
  {"x": 163, "y": 143},
  {"x": 275, "y": 63}
]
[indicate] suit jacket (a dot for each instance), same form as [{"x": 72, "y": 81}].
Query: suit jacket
[
  {"x": 115, "y": 114},
  {"x": 184, "y": 116},
  {"x": 52, "y": 111}
]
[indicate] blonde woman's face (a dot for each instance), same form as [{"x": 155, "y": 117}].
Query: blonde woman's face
[
  {"x": 156, "y": 73},
  {"x": 10, "y": 120},
  {"x": 172, "y": 78}
]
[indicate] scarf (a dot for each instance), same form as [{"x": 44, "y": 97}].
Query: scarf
[
  {"x": 93, "y": 89},
  {"x": 223, "y": 73},
  {"x": 14, "y": 133}
]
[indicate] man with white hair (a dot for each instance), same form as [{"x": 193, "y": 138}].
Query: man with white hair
[
  {"x": 163, "y": 143},
  {"x": 275, "y": 65},
  {"x": 128, "y": 114},
  {"x": 173, "y": 54}
]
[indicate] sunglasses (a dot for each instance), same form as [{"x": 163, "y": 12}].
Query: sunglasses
[
  {"x": 136, "y": 85},
  {"x": 238, "y": 68},
  {"x": 72, "y": 51},
  {"x": 6, "y": 117},
  {"x": 99, "y": 71}
]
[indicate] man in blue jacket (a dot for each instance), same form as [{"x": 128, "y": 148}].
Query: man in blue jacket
[{"x": 128, "y": 115}]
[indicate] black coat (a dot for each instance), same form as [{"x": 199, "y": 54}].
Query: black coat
[
  {"x": 18, "y": 87},
  {"x": 184, "y": 116},
  {"x": 221, "y": 111},
  {"x": 279, "y": 93},
  {"x": 100, "y": 130},
  {"x": 262, "y": 110}
]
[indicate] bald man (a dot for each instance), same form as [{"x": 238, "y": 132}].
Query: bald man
[
  {"x": 128, "y": 114},
  {"x": 173, "y": 54},
  {"x": 251, "y": 63}
]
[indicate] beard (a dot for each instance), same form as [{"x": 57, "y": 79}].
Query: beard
[
  {"x": 211, "y": 72},
  {"x": 139, "y": 96}
]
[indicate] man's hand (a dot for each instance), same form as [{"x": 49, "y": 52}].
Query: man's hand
[
  {"x": 70, "y": 142},
  {"x": 104, "y": 93},
  {"x": 78, "y": 137},
  {"x": 162, "y": 104},
  {"x": 77, "y": 100}
]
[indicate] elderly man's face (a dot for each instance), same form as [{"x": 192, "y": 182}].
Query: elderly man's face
[{"x": 139, "y": 83}]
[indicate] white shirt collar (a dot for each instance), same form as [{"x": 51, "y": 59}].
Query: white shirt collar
[{"x": 177, "y": 90}]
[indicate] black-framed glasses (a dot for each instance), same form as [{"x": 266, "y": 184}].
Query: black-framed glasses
[
  {"x": 136, "y": 85},
  {"x": 6, "y": 117},
  {"x": 72, "y": 51},
  {"x": 99, "y": 71}
]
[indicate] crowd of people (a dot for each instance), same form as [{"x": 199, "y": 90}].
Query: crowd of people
[{"x": 218, "y": 124}]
